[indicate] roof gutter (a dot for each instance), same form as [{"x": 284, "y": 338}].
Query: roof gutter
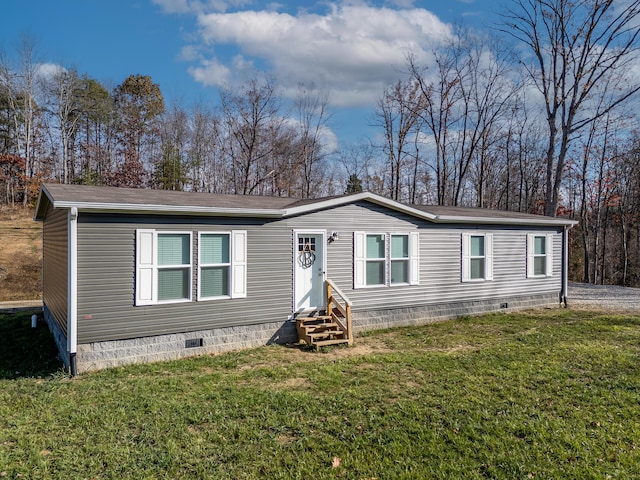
[
  {"x": 169, "y": 209},
  {"x": 544, "y": 221},
  {"x": 564, "y": 292}
]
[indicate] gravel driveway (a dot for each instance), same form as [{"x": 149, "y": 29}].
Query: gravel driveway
[{"x": 604, "y": 297}]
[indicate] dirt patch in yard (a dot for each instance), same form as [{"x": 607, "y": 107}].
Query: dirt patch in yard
[{"x": 20, "y": 255}]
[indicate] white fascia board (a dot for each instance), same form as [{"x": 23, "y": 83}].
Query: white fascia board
[
  {"x": 368, "y": 196},
  {"x": 545, "y": 221},
  {"x": 414, "y": 212},
  {"x": 42, "y": 196},
  {"x": 333, "y": 202},
  {"x": 169, "y": 209}
]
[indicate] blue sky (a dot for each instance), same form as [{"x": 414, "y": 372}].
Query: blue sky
[{"x": 190, "y": 48}]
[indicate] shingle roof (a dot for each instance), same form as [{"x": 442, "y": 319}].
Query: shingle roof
[
  {"x": 472, "y": 212},
  {"x": 139, "y": 196},
  {"x": 115, "y": 199}
]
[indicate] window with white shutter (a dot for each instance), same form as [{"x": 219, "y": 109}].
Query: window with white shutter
[
  {"x": 477, "y": 257},
  {"x": 539, "y": 255},
  {"x": 385, "y": 259},
  {"x": 164, "y": 271},
  {"x": 163, "y": 267}
]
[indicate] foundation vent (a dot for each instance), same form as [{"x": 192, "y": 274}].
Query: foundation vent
[{"x": 193, "y": 343}]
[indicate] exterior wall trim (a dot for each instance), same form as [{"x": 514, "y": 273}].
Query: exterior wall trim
[{"x": 72, "y": 305}]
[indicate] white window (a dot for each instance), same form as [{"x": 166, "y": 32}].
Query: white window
[
  {"x": 163, "y": 273},
  {"x": 477, "y": 257},
  {"x": 539, "y": 255},
  {"x": 164, "y": 266},
  {"x": 214, "y": 277},
  {"x": 376, "y": 261},
  {"x": 399, "y": 259},
  {"x": 382, "y": 259},
  {"x": 222, "y": 265}
]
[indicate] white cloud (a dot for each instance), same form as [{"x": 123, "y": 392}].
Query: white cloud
[
  {"x": 211, "y": 73},
  {"x": 49, "y": 70},
  {"x": 189, "y": 53},
  {"x": 351, "y": 50},
  {"x": 198, "y": 6},
  {"x": 175, "y": 6}
]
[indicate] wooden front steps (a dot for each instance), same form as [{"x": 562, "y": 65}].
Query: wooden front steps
[
  {"x": 320, "y": 330},
  {"x": 329, "y": 327}
]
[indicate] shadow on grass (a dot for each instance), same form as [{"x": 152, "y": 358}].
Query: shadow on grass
[{"x": 24, "y": 351}]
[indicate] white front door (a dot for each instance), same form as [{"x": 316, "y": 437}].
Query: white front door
[{"x": 309, "y": 271}]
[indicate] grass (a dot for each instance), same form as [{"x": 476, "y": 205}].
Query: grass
[
  {"x": 545, "y": 394},
  {"x": 20, "y": 255}
]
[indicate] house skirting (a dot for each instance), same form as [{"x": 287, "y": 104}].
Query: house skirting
[
  {"x": 420, "y": 315},
  {"x": 99, "y": 355},
  {"x": 59, "y": 337}
]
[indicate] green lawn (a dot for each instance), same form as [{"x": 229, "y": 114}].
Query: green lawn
[{"x": 547, "y": 394}]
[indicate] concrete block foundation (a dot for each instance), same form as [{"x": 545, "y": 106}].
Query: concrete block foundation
[{"x": 99, "y": 355}]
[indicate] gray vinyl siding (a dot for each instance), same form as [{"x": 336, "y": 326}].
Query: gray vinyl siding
[
  {"x": 106, "y": 275},
  {"x": 106, "y": 269},
  {"x": 440, "y": 258},
  {"x": 54, "y": 265}
]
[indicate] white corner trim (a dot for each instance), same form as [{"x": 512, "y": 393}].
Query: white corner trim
[{"x": 72, "y": 279}]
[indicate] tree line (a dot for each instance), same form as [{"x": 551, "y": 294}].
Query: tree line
[{"x": 538, "y": 117}]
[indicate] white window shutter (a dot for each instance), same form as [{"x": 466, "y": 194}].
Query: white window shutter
[
  {"x": 488, "y": 256},
  {"x": 145, "y": 266},
  {"x": 531, "y": 240},
  {"x": 238, "y": 264},
  {"x": 359, "y": 259},
  {"x": 414, "y": 258},
  {"x": 549, "y": 252},
  {"x": 466, "y": 257}
]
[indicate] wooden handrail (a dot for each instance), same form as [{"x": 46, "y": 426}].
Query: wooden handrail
[
  {"x": 345, "y": 299},
  {"x": 345, "y": 310}
]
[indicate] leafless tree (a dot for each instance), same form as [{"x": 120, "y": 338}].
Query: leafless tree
[
  {"x": 572, "y": 47},
  {"x": 208, "y": 172},
  {"x": 20, "y": 84},
  {"x": 254, "y": 128},
  {"x": 311, "y": 117},
  {"x": 63, "y": 90},
  {"x": 462, "y": 108},
  {"x": 399, "y": 115}
]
